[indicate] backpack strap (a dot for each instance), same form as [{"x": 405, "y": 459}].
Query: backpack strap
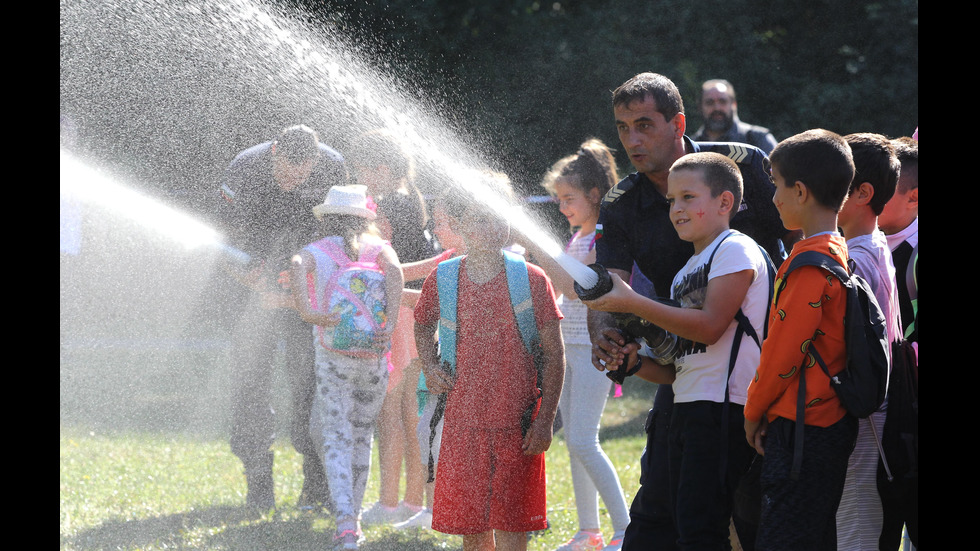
[
  {"x": 519, "y": 288},
  {"x": 828, "y": 263},
  {"x": 744, "y": 327},
  {"x": 447, "y": 280}
]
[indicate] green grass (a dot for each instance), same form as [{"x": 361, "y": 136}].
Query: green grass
[{"x": 145, "y": 463}]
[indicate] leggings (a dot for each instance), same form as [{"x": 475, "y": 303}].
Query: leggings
[
  {"x": 349, "y": 394},
  {"x": 583, "y": 397}
]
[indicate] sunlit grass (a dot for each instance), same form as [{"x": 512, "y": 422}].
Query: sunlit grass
[{"x": 152, "y": 490}]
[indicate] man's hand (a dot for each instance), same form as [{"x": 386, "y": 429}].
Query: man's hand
[
  {"x": 538, "y": 437},
  {"x": 609, "y": 349},
  {"x": 755, "y": 433}
]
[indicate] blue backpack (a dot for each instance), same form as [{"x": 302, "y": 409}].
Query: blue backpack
[{"x": 519, "y": 289}]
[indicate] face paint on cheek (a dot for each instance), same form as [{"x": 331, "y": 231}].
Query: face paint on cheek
[{"x": 700, "y": 213}]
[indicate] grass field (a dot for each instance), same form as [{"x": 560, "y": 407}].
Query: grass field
[{"x": 145, "y": 462}]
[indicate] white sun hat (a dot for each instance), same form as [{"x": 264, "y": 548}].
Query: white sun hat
[{"x": 345, "y": 200}]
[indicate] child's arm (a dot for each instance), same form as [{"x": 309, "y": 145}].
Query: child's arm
[
  {"x": 649, "y": 370},
  {"x": 394, "y": 282},
  {"x": 421, "y": 268},
  {"x": 538, "y": 438},
  {"x": 706, "y": 325},
  {"x": 301, "y": 265},
  {"x": 410, "y": 297}
]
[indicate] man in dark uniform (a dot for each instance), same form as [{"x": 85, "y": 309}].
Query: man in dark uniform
[
  {"x": 721, "y": 122},
  {"x": 270, "y": 190},
  {"x": 636, "y": 228}
]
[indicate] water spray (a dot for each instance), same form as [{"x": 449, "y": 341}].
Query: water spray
[{"x": 88, "y": 184}]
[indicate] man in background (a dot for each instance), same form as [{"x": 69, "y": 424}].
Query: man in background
[{"x": 721, "y": 122}]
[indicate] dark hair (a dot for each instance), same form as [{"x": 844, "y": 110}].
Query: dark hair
[
  {"x": 907, "y": 151},
  {"x": 875, "y": 163},
  {"x": 350, "y": 227},
  {"x": 821, "y": 160},
  {"x": 297, "y": 144},
  {"x": 719, "y": 173},
  {"x": 592, "y": 166},
  {"x": 663, "y": 91},
  {"x": 383, "y": 148}
]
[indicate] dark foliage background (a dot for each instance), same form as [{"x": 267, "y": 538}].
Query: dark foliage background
[{"x": 528, "y": 80}]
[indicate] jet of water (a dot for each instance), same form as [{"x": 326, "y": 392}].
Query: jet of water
[{"x": 89, "y": 184}]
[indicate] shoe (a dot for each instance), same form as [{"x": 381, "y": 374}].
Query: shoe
[
  {"x": 583, "y": 541},
  {"x": 615, "y": 544},
  {"x": 422, "y": 519},
  {"x": 379, "y": 514},
  {"x": 347, "y": 539}
]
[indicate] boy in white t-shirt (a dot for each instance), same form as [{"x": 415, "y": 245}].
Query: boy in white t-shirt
[{"x": 727, "y": 274}]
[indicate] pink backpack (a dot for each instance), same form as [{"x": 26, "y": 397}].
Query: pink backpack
[{"x": 353, "y": 289}]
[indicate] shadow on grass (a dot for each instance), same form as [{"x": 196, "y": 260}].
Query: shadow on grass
[
  {"x": 234, "y": 528},
  {"x": 626, "y": 429}
]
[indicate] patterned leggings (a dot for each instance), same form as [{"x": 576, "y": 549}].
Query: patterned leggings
[{"x": 349, "y": 394}]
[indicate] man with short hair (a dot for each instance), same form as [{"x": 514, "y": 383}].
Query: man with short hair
[
  {"x": 721, "y": 122},
  {"x": 270, "y": 190},
  {"x": 636, "y": 227}
]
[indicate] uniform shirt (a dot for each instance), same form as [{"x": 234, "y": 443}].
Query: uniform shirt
[
  {"x": 263, "y": 220},
  {"x": 636, "y": 225}
]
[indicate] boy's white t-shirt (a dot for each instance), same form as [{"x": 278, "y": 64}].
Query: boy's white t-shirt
[{"x": 702, "y": 370}]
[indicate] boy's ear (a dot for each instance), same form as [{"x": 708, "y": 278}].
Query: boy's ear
[
  {"x": 914, "y": 197},
  {"x": 727, "y": 202},
  {"x": 802, "y": 192},
  {"x": 862, "y": 194}
]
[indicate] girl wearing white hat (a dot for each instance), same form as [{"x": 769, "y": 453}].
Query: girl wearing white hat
[{"x": 348, "y": 284}]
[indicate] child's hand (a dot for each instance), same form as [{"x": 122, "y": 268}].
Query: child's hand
[
  {"x": 619, "y": 299},
  {"x": 255, "y": 279},
  {"x": 323, "y": 320},
  {"x": 437, "y": 381},
  {"x": 538, "y": 437},
  {"x": 755, "y": 433},
  {"x": 381, "y": 338}
]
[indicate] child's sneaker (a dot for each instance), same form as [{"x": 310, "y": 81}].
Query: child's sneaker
[
  {"x": 615, "y": 544},
  {"x": 583, "y": 541},
  {"x": 347, "y": 539},
  {"x": 422, "y": 519},
  {"x": 380, "y": 514}
]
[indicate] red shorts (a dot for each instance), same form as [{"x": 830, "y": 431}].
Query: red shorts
[{"x": 485, "y": 482}]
